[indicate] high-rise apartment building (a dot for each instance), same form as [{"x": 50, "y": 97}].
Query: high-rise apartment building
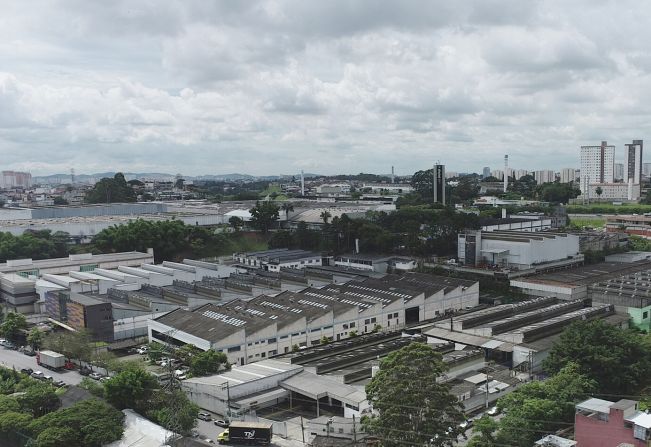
[
  {"x": 633, "y": 162},
  {"x": 544, "y": 176},
  {"x": 486, "y": 172},
  {"x": 568, "y": 175},
  {"x": 597, "y": 164},
  {"x": 13, "y": 179},
  {"x": 519, "y": 173},
  {"x": 618, "y": 173},
  {"x": 498, "y": 174}
]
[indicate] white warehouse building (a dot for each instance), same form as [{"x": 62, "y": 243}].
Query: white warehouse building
[
  {"x": 515, "y": 249},
  {"x": 248, "y": 331}
]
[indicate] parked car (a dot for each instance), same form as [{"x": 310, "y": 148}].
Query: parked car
[
  {"x": 104, "y": 379},
  {"x": 221, "y": 423},
  {"x": 29, "y": 352},
  {"x": 95, "y": 376},
  {"x": 142, "y": 350},
  {"x": 27, "y": 371},
  {"x": 59, "y": 384},
  {"x": 493, "y": 411},
  {"x": 38, "y": 375},
  {"x": 84, "y": 371},
  {"x": 48, "y": 378},
  {"x": 10, "y": 345},
  {"x": 3, "y": 341},
  {"x": 204, "y": 416},
  {"x": 465, "y": 425}
]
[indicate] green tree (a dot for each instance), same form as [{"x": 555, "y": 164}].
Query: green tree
[
  {"x": 618, "y": 360},
  {"x": 525, "y": 186},
  {"x": 57, "y": 437},
  {"x": 236, "y": 222},
  {"x": 485, "y": 432},
  {"x": 130, "y": 389},
  {"x": 14, "y": 428},
  {"x": 207, "y": 362},
  {"x": 12, "y": 325},
  {"x": 287, "y": 208},
  {"x": 35, "y": 338},
  {"x": 423, "y": 184},
  {"x": 542, "y": 407},
  {"x": 325, "y": 216},
  {"x": 60, "y": 201},
  {"x": 411, "y": 407},
  {"x": 264, "y": 215},
  {"x": 599, "y": 191},
  {"x": 179, "y": 417},
  {"x": 8, "y": 403},
  {"x": 186, "y": 353},
  {"x": 94, "y": 422},
  {"x": 74, "y": 345},
  {"x": 39, "y": 399},
  {"x": 111, "y": 190}
]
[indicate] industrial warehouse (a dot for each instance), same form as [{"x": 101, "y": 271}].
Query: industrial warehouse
[
  {"x": 251, "y": 330},
  {"x": 624, "y": 281}
]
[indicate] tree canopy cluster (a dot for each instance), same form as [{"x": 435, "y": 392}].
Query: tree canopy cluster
[
  {"x": 40, "y": 244},
  {"x": 111, "y": 190},
  {"x": 137, "y": 389},
  {"x": 170, "y": 239},
  {"x": 30, "y": 415},
  {"x": 419, "y": 231},
  {"x": 410, "y": 406}
]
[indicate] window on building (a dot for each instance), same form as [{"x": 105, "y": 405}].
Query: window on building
[
  {"x": 367, "y": 321},
  {"x": 345, "y": 326},
  {"x": 272, "y": 340},
  {"x": 373, "y": 320},
  {"x": 645, "y": 315},
  {"x": 235, "y": 349},
  {"x": 283, "y": 337},
  {"x": 352, "y": 325},
  {"x": 264, "y": 354}
]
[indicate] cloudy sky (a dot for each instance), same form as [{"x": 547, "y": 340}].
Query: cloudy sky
[{"x": 271, "y": 87}]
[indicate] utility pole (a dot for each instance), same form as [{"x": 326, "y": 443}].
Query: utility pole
[
  {"x": 228, "y": 402},
  {"x": 354, "y": 432},
  {"x": 302, "y": 430}
]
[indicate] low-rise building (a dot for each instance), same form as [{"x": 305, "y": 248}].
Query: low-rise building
[
  {"x": 602, "y": 423},
  {"x": 276, "y": 259},
  {"x": 515, "y": 249}
]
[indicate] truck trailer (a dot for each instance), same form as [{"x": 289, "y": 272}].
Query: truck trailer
[
  {"x": 51, "y": 360},
  {"x": 247, "y": 433}
]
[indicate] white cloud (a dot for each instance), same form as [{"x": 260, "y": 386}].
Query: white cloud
[{"x": 337, "y": 86}]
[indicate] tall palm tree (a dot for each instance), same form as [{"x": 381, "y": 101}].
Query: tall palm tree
[
  {"x": 325, "y": 215},
  {"x": 287, "y": 208}
]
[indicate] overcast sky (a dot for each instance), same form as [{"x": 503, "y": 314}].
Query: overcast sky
[{"x": 271, "y": 87}]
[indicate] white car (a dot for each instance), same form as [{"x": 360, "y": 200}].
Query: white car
[
  {"x": 38, "y": 375},
  {"x": 494, "y": 411},
  {"x": 95, "y": 376}
]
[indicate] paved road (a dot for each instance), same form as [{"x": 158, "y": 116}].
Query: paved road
[
  {"x": 210, "y": 430},
  {"x": 18, "y": 360}
]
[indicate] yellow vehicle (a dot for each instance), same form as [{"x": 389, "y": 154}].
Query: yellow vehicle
[{"x": 222, "y": 438}]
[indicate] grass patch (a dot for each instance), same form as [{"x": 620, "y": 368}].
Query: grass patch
[
  {"x": 580, "y": 222},
  {"x": 608, "y": 208}
]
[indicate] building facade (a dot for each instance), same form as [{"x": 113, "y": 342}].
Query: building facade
[
  {"x": 568, "y": 175},
  {"x": 601, "y": 423},
  {"x": 597, "y": 164},
  {"x": 633, "y": 162}
]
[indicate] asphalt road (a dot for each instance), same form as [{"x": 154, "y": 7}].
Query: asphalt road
[{"x": 14, "y": 359}]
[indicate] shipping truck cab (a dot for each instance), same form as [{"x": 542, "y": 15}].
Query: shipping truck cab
[{"x": 222, "y": 438}]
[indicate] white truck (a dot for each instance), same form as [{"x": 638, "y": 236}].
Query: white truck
[{"x": 51, "y": 360}]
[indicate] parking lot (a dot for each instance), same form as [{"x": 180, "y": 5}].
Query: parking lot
[{"x": 14, "y": 359}]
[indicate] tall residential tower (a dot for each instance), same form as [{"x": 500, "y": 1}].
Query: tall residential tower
[
  {"x": 633, "y": 162},
  {"x": 597, "y": 164}
]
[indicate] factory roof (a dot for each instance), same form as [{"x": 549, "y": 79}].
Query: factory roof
[
  {"x": 13, "y": 266},
  {"x": 317, "y": 387},
  {"x": 589, "y": 274},
  {"x": 595, "y": 405},
  {"x": 247, "y": 373}
]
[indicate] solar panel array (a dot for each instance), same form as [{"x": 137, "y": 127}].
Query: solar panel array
[{"x": 224, "y": 318}]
